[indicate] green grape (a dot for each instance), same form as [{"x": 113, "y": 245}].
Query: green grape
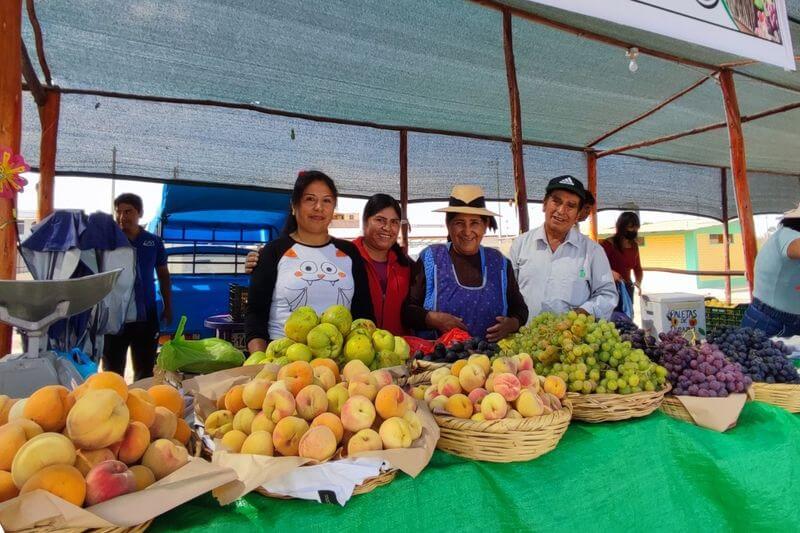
[
  {"x": 601, "y": 390},
  {"x": 624, "y": 390},
  {"x": 612, "y": 385}
]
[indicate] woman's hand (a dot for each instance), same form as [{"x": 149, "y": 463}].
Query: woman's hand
[
  {"x": 614, "y": 273},
  {"x": 505, "y": 326},
  {"x": 251, "y": 261},
  {"x": 444, "y": 322}
]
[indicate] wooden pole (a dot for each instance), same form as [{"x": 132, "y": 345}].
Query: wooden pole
[
  {"x": 48, "y": 116},
  {"x": 726, "y": 237},
  {"x": 591, "y": 174},
  {"x": 10, "y": 133},
  {"x": 739, "y": 169},
  {"x": 404, "y": 186},
  {"x": 516, "y": 124}
]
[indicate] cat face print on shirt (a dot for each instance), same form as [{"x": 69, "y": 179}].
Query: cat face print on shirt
[{"x": 319, "y": 277}]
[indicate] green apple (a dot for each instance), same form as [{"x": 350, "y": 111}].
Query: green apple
[
  {"x": 401, "y": 348},
  {"x": 359, "y": 331},
  {"x": 359, "y": 346},
  {"x": 300, "y": 322},
  {"x": 256, "y": 358},
  {"x": 325, "y": 340},
  {"x": 387, "y": 358},
  {"x": 277, "y": 348},
  {"x": 383, "y": 340},
  {"x": 282, "y": 361},
  {"x": 298, "y": 352},
  {"x": 339, "y": 316},
  {"x": 363, "y": 323}
]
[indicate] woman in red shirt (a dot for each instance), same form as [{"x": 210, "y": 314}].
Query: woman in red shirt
[{"x": 622, "y": 250}]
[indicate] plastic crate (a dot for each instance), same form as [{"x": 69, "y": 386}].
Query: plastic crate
[
  {"x": 717, "y": 316},
  {"x": 237, "y": 301}
]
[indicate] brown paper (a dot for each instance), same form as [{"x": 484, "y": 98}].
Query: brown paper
[
  {"x": 40, "y": 508},
  {"x": 719, "y": 414},
  {"x": 254, "y": 471}
]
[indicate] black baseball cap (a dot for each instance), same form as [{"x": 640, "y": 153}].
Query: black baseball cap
[{"x": 567, "y": 183}]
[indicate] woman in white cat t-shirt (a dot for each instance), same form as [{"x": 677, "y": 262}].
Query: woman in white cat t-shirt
[{"x": 305, "y": 266}]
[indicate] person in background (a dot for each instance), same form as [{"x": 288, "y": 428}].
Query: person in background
[
  {"x": 776, "y": 296},
  {"x": 462, "y": 284},
  {"x": 558, "y": 268},
  {"x": 142, "y": 334},
  {"x": 305, "y": 266},
  {"x": 622, "y": 250},
  {"x": 587, "y": 207}
]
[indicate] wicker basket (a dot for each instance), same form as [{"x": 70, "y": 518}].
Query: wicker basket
[
  {"x": 135, "y": 529},
  {"x": 784, "y": 395},
  {"x": 419, "y": 372},
  {"x": 673, "y": 407},
  {"x": 505, "y": 440},
  {"x": 611, "y": 407},
  {"x": 368, "y": 485}
]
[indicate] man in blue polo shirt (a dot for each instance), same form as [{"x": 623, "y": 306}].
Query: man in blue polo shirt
[{"x": 142, "y": 334}]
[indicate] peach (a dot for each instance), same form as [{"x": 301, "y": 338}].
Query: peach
[
  {"x": 86, "y": 459},
  {"x": 383, "y": 377},
  {"x": 475, "y": 396},
  {"x": 16, "y": 410},
  {"x": 30, "y": 427},
  {"x": 243, "y": 420},
  {"x": 134, "y": 443},
  {"x": 287, "y": 434},
  {"x": 555, "y": 386},
  {"x": 297, "y": 375},
  {"x": 104, "y": 381},
  {"x": 258, "y": 443},
  {"x": 269, "y": 372},
  {"x": 418, "y": 392},
  {"x": 331, "y": 421},
  {"x": 144, "y": 476},
  {"x": 5, "y": 406},
  {"x": 391, "y": 401},
  {"x": 163, "y": 457},
  {"x": 107, "y": 480},
  {"x": 324, "y": 377},
  {"x": 7, "y": 488},
  {"x": 457, "y": 366},
  {"x": 221, "y": 403},
  {"x": 48, "y": 407},
  {"x": 12, "y": 437},
  {"x": 39, "y": 452},
  {"x": 478, "y": 417},
  {"x": 364, "y": 440},
  {"x": 167, "y": 396},
  {"x": 414, "y": 423},
  {"x": 524, "y": 362},
  {"x": 317, "y": 443},
  {"x": 438, "y": 374},
  {"x": 234, "y": 439},
  {"x": 494, "y": 406},
  {"x": 363, "y": 385},
  {"x": 277, "y": 385},
  {"x": 165, "y": 424},
  {"x": 409, "y": 402},
  {"x": 489, "y": 385},
  {"x": 357, "y": 413},
  {"x": 513, "y": 414},
  {"x": 440, "y": 403},
  {"x": 459, "y": 406},
  {"x": 471, "y": 377},
  {"x": 337, "y": 395},
  {"x": 254, "y": 393},
  {"x": 141, "y": 406},
  {"x": 64, "y": 481},
  {"x": 311, "y": 401},
  {"x": 449, "y": 385},
  {"x": 536, "y": 382},
  {"x": 279, "y": 404},
  {"x": 508, "y": 386},
  {"x": 262, "y": 422},
  {"x": 218, "y": 423},
  {"x": 183, "y": 432},
  {"x": 234, "y": 400},
  {"x": 354, "y": 368},
  {"x": 327, "y": 363},
  {"x": 395, "y": 433},
  {"x": 527, "y": 378},
  {"x": 431, "y": 392},
  {"x": 98, "y": 419},
  {"x": 482, "y": 361},
  {"x": 529, "y": 404},
  {"x": 504, "y": 365}
]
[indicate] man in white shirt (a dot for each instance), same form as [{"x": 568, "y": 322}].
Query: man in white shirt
[{"x": 558, "y": 268}]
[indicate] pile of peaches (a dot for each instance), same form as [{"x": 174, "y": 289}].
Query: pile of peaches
[
  {"x": 480, "y": 389},
  {"x": 310, "y": 410},
  {"x": 97, "y": 442}
]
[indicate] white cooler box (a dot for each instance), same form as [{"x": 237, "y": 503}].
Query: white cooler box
[{"x": 680, "y": 311}]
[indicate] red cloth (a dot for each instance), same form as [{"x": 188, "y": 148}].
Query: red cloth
[
  {"x": 398, "y": 278},
  {"x": 625, "y": 261}
]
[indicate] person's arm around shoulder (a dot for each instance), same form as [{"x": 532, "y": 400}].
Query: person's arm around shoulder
[
  {"x": 164, "y": 282},
  {"x": 361, "y": 306},
  {"x": 603, "y": 295},
  {"x": 259, "y": 295}
]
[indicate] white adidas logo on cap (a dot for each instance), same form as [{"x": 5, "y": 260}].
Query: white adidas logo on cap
[{"x": 567, "y": 181}]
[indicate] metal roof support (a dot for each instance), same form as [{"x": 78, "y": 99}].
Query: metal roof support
[{"x": 48, "y": 116}]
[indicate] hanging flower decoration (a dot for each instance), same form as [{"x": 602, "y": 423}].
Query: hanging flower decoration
[{"x": 11, "y": 166}]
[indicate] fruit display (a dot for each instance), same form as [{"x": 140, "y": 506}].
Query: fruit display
[
  {"x": 92, "y": 444},
  {"x": 762, "y": 359},
  {"x": 480, "y": 389},
  {"x": 589, "y": 355},
  {"x": 310, "y": 410},
  {"x": 459, "y": 351},
  {"x": 639, "y": 339},
  {"x": 333, "y": 335}
]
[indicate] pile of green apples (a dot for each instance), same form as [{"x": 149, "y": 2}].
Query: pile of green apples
[{"x": 334, "y": 335}]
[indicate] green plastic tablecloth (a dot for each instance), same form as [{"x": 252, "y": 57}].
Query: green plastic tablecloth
[{"x": 650, "y": 474}]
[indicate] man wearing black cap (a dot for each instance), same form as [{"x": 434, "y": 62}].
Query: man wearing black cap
[{"x": 558, "y": 268}]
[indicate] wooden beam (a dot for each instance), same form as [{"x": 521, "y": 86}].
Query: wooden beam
[
  {"x": 696, "y": 272},
  {"x": 521, "y": 191},
  {"x": 591, "y": 175},
  {"x": 10, "y": 134},
  {"x": 404, "y": 186},
  {"x": 646, "y": 114},
  {"x": 726, "y": 237},
  {"x": 31, "y": 79},
  {"x": 37, "y": 36},
  {"x": 48, "y": 117},
  {"x": 739, "y": 169}
]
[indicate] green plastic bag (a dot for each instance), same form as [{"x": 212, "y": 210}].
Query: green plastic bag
[{"x": 198, "y": 357}]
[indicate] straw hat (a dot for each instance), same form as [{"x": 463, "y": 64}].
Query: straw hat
[
  {"x": 794, "y": 213},
  {"x": 468, "y": 199}
]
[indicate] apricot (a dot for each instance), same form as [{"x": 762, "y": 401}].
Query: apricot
[
  {"x": 40, "y": 452},
  {"x": 7, "y": 488},
  {"x": 64, "y": 481},
  {"x": 183, "y": 432},
  {"x": 163, "y": 457},
  {"x": 30, "y": 427},
  {"x": 143, "y": 475},
  {"x": 311, "y": 401},
  {"x": 48, "y": 407},
  {"x": 12, "y": 437},
  {"x": 327, "y": 363},
  {"x": 391, "y": 401},
  {"x": 258, "y": 443},
  {"x": 262, "y": 422},
  {"x": 363, "y": 441},
  {"x": 141, "y": 406},
  {"x": 279, "y": 404},
  {"x": 243, "y": 420},
  {"x": 323, "y": 377},
  {"x": 16, "y": 410},
  {"x": 104, "y": 380},
  {"x": 218, "y": 423},
  {"x": 167, "y": 396},
  {"x": 317, "y": 443},
  {"x": 296, "y": 375},
  {"x": 87, "y": 459},
  {"x": 287, "y": 434},
  {"x": 98, "y": 419},
  {"x": 254, "y": 393},
  {"x": 332, "y": 422},
  {"x": 234, "y": 401},
  {"x": 165, "y": 424},
  {"x": 457, "y": 366},
  {"x": 459, "y": 406},
  {"x": 5, "y": 406},
  {"x": 234, "y": 439},
  {"x": 555, "y": 386},
  {"x": 134, "y": 443}
]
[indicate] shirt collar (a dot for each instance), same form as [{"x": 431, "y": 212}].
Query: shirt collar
[{"x": 572, "y": 237}]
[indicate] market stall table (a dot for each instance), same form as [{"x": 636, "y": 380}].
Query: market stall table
[{"x": 654, "y": 473}]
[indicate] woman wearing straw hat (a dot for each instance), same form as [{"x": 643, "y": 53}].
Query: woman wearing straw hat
[
  {"x": 462, "y": 284},
  {"x": 776, "y": 295}
]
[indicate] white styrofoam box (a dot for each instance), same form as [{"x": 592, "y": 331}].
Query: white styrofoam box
[{"x": 663, "y": 312}]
